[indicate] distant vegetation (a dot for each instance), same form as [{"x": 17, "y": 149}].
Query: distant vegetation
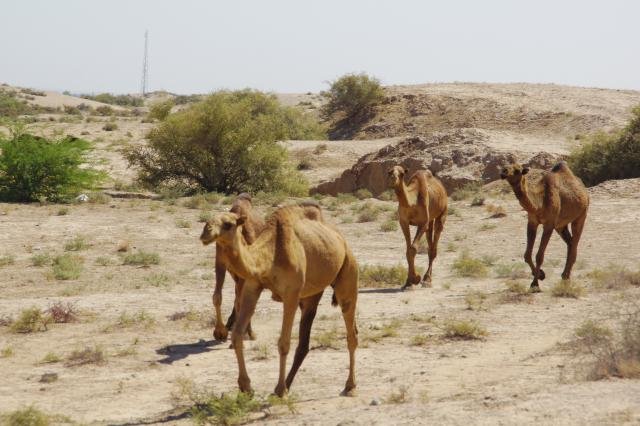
[
  {"x": 122, "y": 100},
  {"x": 350, "y": 102},
  {"x": 160, "y": 110},
  {"x": 605, "y": 156},
  {"x": 226, "y": 143},
  {"x": 34, "y": 168}
]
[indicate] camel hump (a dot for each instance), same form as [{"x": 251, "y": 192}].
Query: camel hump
[
  {"x": 426, "y": 173},
  {"x": 244, "y": 196},
  {"x": 562, "y": 166},
  {"x": 312, "y": 210}
]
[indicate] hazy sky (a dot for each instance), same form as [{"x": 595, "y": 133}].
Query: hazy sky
[{"x": 297, "y": 46}]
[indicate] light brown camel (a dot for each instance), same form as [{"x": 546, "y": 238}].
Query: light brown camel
[
  {"x": 554, "y": 200},
  {"x": 296, "y": 257},
  {"x": 422, "y": 203},
  {"x": 253, "y": 226}
]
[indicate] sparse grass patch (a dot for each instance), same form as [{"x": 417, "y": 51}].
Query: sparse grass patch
[
  {"x": 7, "y": 259},
  {"x": 382, "y": 276},
  {"x": 516, "y": 292},
  {"x": 76, "y": 244},
  {"x": 7, "y": 352},
  {"x": 463, "y": 330},
  {"x": 31, "y": 416},
  {"x": 62, "y": 211},
  {"x": 512, "y": 271},
  {"x": 104, "y": 261},
  {"x": 477, "y": 201},
  {"x": 419, "y": 340},
  {"x": 468, "y": 266},
  {"x": 157, "y": 280},
  {"x": 138, "y": 319},
  {"x": 320, "y": 148},
  {"x": 141, "y": 258},
  {"x": 567, "y": 288},
  {"x": 614, "y": 277},
  {"x": 50, "y": 358},
  {"x": 67, "y": 267},
  {"x": 398, "y": 397},
  {"x": 368, "y": 213},
  {"x": 40, "y": 259},
  {"x": 495, "y": 212},
  {"x": 110, "y": 127},
  {"x": 261, "y": 352},
  {"x": 475, "y": 300},
  {"x": 30, "y": 320},
  {"x": 487, "y": 227},
  {"x": 88, "y": 355},
  {"x": 343, "y": 198},
  {"x": 197, "y": 202},
  {"x": 389, "y": 226},
  {"x": 467, "y": 191},
  {"x": 205, "y": 216},
  {"x": 183, "y": 223},
  {"x": 363, "y": 194},
  {"x": 328, "y": 339}
]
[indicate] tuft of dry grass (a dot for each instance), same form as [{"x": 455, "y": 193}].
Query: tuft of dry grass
[
  {"x": 398, "y": 397},
  {"x": 7, "y": 352},
  {"x": 7, "y": 259},
  {"x": 468, "y": 266},
  {"x": 261, "y": 352},
  {"x": 183, "y": 223},
  {"x": 495, "y": 211},
  {"x": 30, "y": 320},
  {"x": 512, "y": 271},
  {"x": 463, "y": 330},
  {"x": 379, "y": 276},
  {"x": 516, "y": 292},
  {"x": 368, "y": 213},
  {"x": 475, "y": 300},
  {"x": 78, "y": 243},
  {"x": 389, "y": 226},
  {"x": 67, "y": 267},
  {"x": 50, "y": 358},
  {"x": 567, "y": 288},
  {"x": 141, "y": 258},
  {"x": 88, "y": 355},
  {"x": 614, "y": 277},
  {"x": 328, "y": 339},
  {"x": 419, "y": 340}
]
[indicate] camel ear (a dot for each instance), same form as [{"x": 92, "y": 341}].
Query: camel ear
[
  {"x": 525, "y": 170},
  {"x": 241, "y": 220}
]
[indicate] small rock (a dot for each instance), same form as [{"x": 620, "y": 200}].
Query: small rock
[
  {"x": 48, "y": 377},
  {"x": 374, "y": 402},
  {"x": 82, "y": 198}
]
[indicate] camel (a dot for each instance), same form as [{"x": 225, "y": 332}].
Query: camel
[
  {"x": 554, "y": 200},
  {"x": 421, "y": 203},
  {"x": 253, "y": 226},
  {"x": 296, "y": 257}
]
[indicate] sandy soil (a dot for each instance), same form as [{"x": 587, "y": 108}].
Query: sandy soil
[{"x": 518, "y": 374}]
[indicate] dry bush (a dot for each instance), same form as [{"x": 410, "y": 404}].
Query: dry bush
[
  {"x": 31, "y": 416},
  {"x": 363, "y": 194},
  {"x": 50, "y": 358},
  {"x": 77, "y": 244},
  {"x": 320, "y": 148},
  {"x": 141, "y": 258},
  {"x": 7, "y": 352},
  {"x": 88, "y": 355},
  {"x": 611, "y": 353},
  {"x": 475, "y": 300},
  {"x": 468, "y": 266},
  {"x": 67, "y": 267},
  {"x": 61, "y": 312},
  {"x": 40, "y": 259},
  {"x": 467, "y": 191},
  {"x": 30, "y": 320},
  {"x": 419, "y": 340},
  {"x": 261, "y": 352},
  {"x": 463, "y": 330},
  {"x": 389, "y": 226},
  {"x": 516, "y": 292},
  {"x": 7, "y": 259},
  {"x": 368, "y": 213},
  {"x": 328, "y": 339},
  {"x": 495, "y": 212},
  {"x": 382, "y": 276},
  {"x": 614, "y": 277},
  {"x": 567, "y": 288},
  {"x": 398, "y": 397},
  {"x": 511, "y": 271}
]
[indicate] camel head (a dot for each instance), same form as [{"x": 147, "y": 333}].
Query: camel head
[
  {"x": 222, "y": 228},
  {"x": 513, "y": 173},
  {"x": 396, "y": 175}
]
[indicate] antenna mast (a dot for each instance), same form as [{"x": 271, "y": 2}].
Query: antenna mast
[{"x": 145, "y": 64}]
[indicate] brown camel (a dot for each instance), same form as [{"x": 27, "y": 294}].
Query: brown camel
[
  {"x": 421, "y": 203},
  {"x": 554, "y": 200},
  {"x": 296, "y": 257},
  {"x": 253, "y": 226}
]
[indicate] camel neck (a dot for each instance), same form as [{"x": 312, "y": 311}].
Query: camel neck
[
  {"x": 246, "y": 262},
  {"x": 522, "y": 195},
  {"x": 401, "y": 193}
]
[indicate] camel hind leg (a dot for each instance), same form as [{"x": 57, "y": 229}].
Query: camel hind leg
[
  {"x": 308, "y": 308},
  {"x": 433, "y": 236},
  {"x": 346, "y": 294},
  {"x": 577, "y": 226}
]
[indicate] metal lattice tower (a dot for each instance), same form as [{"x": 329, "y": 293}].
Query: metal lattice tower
[{"x": 145, "y": 65}]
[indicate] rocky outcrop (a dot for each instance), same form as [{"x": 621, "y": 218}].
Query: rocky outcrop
[{"x": 457, "y": 157}]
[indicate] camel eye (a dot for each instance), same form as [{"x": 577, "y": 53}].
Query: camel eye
[{"x": 226, "y": 226}]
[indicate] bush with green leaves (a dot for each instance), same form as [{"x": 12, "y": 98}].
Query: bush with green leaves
[
  {"x": 609, "y": 156},
  {"x": 161, "y": 109},
  {"x": 122, "y": 100},
  {"x": 352, "y": 95},
  {"x": 10, "y": 106},
  {"x": 227, "y": 143},
  {"x": 34, "y": 168}
]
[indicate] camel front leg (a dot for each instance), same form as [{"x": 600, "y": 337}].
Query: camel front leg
[
  {"x": 220, "y": 332},
  {"x": 438, "y": 226},
  {"x": 308, "y": 308},
  {"x": 236, "y": 305},
  {"x": 248, "y": 300},
  {"x": 290, "y": 302},
  {"x": 544, "y": 241},
  {"x": 532, "y": 230}
]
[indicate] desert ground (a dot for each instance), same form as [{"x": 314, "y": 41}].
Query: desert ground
[{"x": 152, "y": 324}]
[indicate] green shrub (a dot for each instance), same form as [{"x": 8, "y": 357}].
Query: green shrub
[
  {"x": 142, "y": 258},
  {"x": 77, "y": 244},
  {"x": 604, "y": 156},
  {"x": 463, "y": 329},
  {"x": 382, "y": 276},
  {"x": 109, "y": 127},
  {"x": 389, "y": 226},
  {"x": 12, "y": 107},
  {"x": 161, "y": 109},
  {"x": 467, "y": 266},
  {"x": 67, "y": 267},
  {"x": 227, "y": 143},
  {"x": 104, "y": 110},
  {"x": 29, "y": 416},
  {"x": 40, "y": 259},
  {"x": 363, "y": 193},
  {"x": 33, "y": 168},
  {"x": 122, "y": 100},
  {"x": 469, "y": 190},
  {"x": 29, "y": 321},
  {"x": 352, "y": 95}
]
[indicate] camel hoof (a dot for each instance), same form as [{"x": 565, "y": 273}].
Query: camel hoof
[
  {"x": 541, "y": 275},
  {"x": 426, "y": 283},
  {"x": 535, "y": 289},
  {"x": 280, "y": 391},
  {"x": 349, "y": 392},
  {"x": 220, "y": 334},
  {"x": 566, "y": 277},
  {"x": 251, "y": 335},
  {"x": 407, "y": 287}
]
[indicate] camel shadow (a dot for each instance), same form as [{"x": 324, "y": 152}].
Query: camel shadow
[
  {"x": 180, "y": 351},
  {"x": 381, "y": 290}
]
